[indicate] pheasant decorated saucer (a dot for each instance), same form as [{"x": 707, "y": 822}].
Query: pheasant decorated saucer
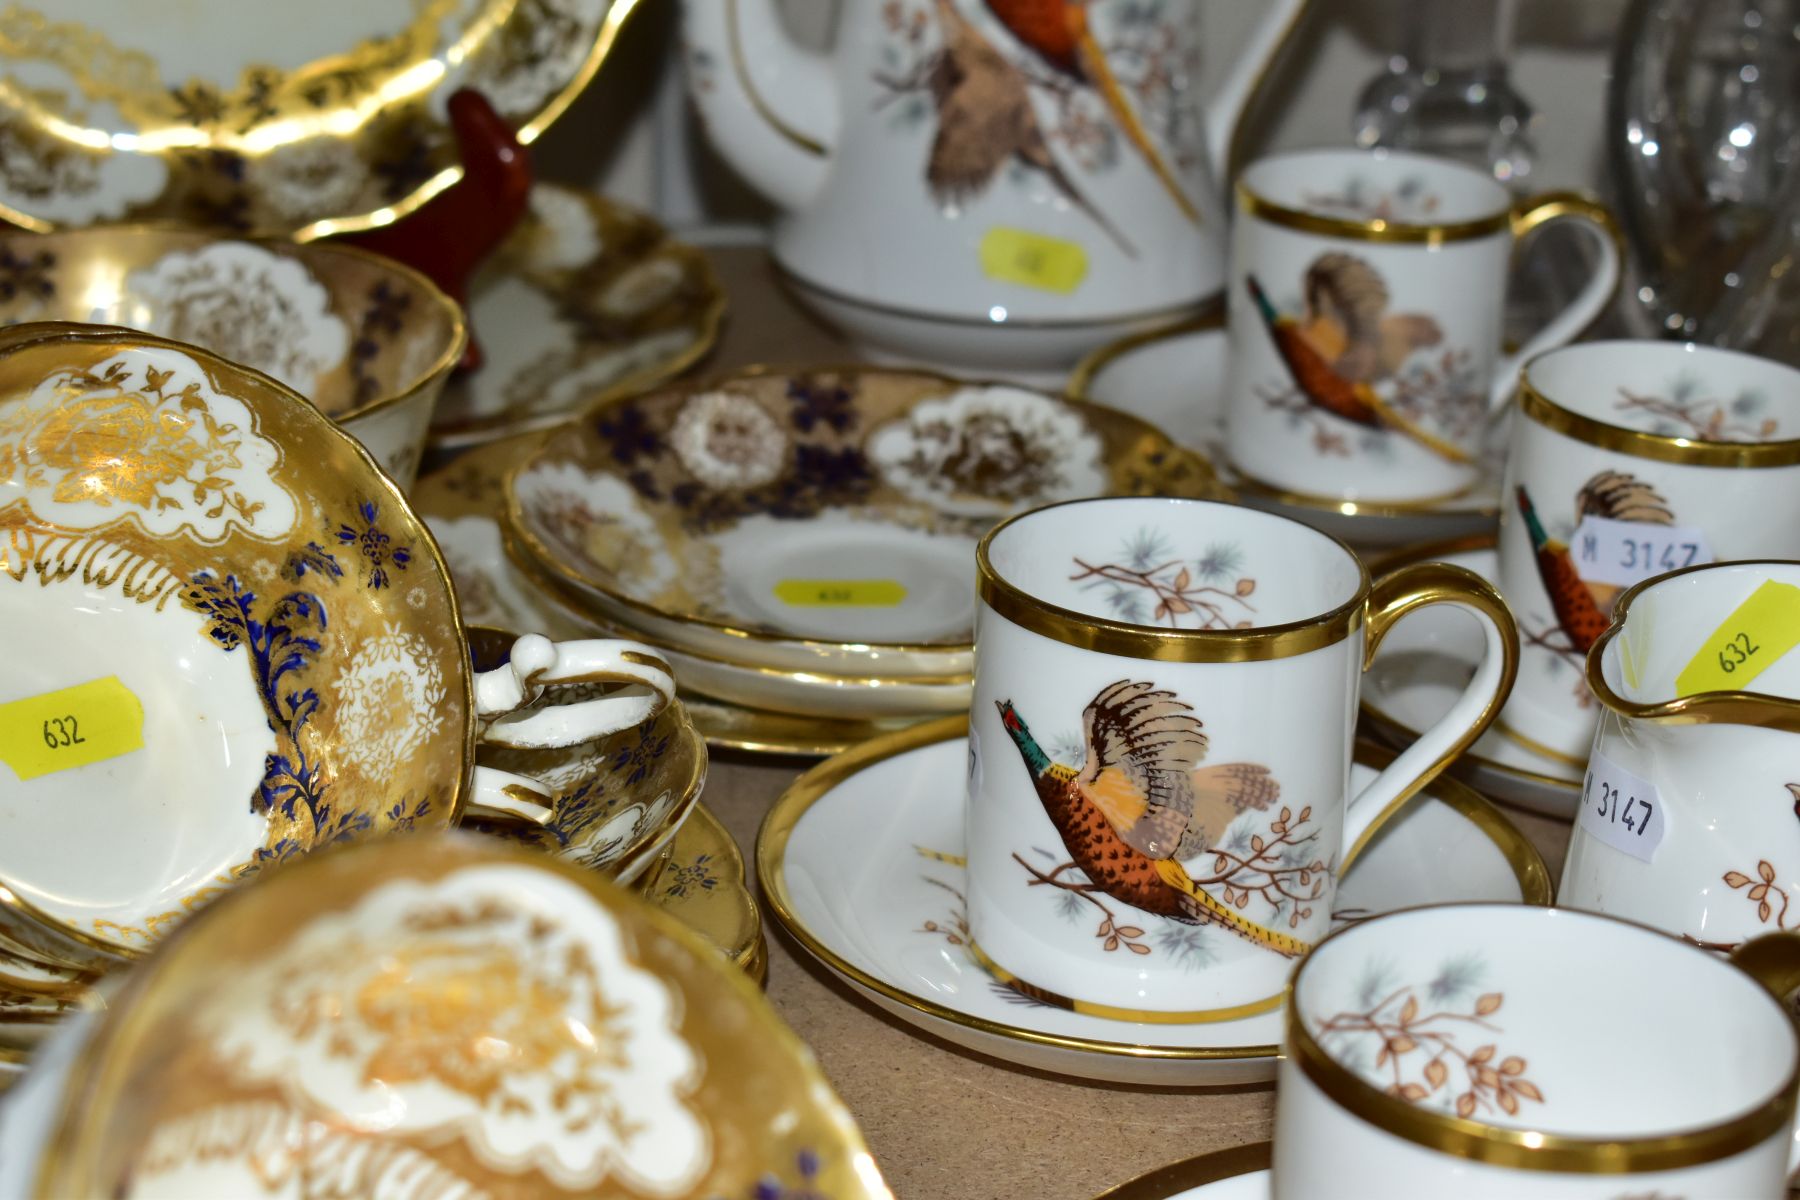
[
  {"x": 822, "y": 520},
  {"x": 1240, "y": 1173},
  {"x": 1175, "y": 377},
  {"x": 861, "y": 861},
  {"x": 1422, "y": 666},
  {"x": 587, "y": 301},
  {"x": 461, "y": 502}
]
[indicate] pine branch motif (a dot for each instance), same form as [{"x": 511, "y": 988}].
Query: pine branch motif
[
  {"x": 1764, "y": 892},
  {"x": 1688, "y": 415},
  {"x": 1209, "y": 592},
  {"x": 1418, "y": 1049}
]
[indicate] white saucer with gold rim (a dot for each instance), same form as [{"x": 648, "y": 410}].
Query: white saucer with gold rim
[
  {"x": 1423, "y": 666},
  {"x": 1175, "y": 378},
  {"x": 861, "y": 861},
  {"x": 1240, "y": 1173}
]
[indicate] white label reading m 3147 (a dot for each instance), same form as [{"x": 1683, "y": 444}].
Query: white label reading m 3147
[
  {"x": 1621, "y": 809},
  {"x": 1626, "y": 552}
]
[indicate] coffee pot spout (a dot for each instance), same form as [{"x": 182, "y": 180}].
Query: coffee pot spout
[{"x": 770, "y": 106}]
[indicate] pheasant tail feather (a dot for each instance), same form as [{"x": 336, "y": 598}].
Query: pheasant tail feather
[
  {"x": 1204, "y": 906},
  {"x": 1093, "y": 62}
]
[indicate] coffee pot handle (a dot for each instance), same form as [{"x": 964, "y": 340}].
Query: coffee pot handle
[
  {"x": 1250, "y": 65},
  {"x": 1392, "y": 597},
  {"x": 1589, "y": 303},
  {"x": 769, "y": 106},
  {"x": 534, "y": 663}
]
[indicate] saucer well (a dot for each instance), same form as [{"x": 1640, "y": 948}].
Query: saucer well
[
  {"x": 861, "y": 861},
  {"x": 587, "y": 300},
  {"x": 1174, "y": 378},
  {"x": 1240, "y": 1173},
  {"x": 820, "y": 520},
  {"x": 1424, "y": 664},
  {"x": 460, "y": 503}
]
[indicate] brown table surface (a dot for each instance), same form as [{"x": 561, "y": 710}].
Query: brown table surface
[{"x": 942, "y": 1121}]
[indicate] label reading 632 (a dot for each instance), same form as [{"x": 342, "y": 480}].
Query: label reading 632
[
  {"x": 70, "y": 727},
  {"x": 1621, "y": 809}
]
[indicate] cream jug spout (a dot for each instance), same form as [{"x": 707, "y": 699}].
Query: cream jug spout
[{"x": 770, "y": 106}]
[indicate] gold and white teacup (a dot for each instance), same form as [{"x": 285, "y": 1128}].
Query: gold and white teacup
[
  {"x": 1365, "y": 310},
  {"x": 1160, "y": 747},
  {"x": 1503, "y": 1052},
  {"x": 1629, "y": 460}
]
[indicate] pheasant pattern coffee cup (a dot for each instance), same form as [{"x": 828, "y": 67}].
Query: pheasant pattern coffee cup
[
  {"x": 1688, "y": 816},
  {"x": 1629, "y": 460},
  {"x": 1160, "y": 748},
  {"x": 1502, "y": 1052},
  {"x": 1365, "y": 320}
]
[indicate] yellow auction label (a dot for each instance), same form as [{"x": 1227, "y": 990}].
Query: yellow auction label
[
  {"x": 840, "y": 593},
  {"x": 1747, "y": 643},
  {"x": 70, "y": 728},
  {"x": 1020, "y": 256}
]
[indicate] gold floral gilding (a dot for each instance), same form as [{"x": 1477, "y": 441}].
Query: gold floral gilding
[
  {"x": 151, "y": 471},
  {"x": 347, "y": 141},
  {"x": 578, "y": 1041}
]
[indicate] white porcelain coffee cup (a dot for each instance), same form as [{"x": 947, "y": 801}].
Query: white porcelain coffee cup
[
  {"x": 1628, "y": 460},
  {"x": 1690, "y": 816},
  {"x": 1165, "y": 692},
  {"x": 1365, "y": 305},
  {"x": 1505, "y": 1052}
]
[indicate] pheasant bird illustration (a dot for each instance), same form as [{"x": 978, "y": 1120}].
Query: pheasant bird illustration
[
  {"x": 1057, "y": 32},
  {"x": 1583, "y": 608},
  {"x": 1140, "y": 805},
  {"x": 1347, "y": 342},
  {"x": 985, "y": 119}
]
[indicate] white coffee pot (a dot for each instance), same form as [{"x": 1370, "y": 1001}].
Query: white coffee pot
[{"x": 1002, "y": 184}]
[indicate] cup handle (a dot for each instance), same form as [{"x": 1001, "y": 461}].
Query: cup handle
[
  {"x": 536, "y": 662},
  {"x": 1773, "y": 960},
  {"x": 1392, "y": 597},
  {"x": 503, "y": 796},
  {"x": 1588, "y": 304}
]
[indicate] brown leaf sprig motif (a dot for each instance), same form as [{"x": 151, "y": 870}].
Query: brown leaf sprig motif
[
  {"x": 1421, "y": 1047},
  {"x": 1762, "y": 891}
]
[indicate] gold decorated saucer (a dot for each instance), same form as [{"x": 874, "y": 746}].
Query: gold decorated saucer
[
  {"x": 700, "y": 882},
  {"x": 460, "y": 502},
  {"x": 369, "y": 340},
  {"x": 818, "y": 520},
  {"x": 465, "y": 1016},
  {"x": 302, "y": 119},
  {"x": 588, "y": 300},
  {"x": 237, "y": 642}
]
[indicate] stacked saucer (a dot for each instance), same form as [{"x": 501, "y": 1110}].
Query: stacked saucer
[{"x": 803, "y": 543}]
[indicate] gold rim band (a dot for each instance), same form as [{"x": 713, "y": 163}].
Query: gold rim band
[
  {"x": 1539, "y": 748},
  {"x": 1369, "y": 229},
  {"x": 778, "y": 826},
  {"x": 1773, "y": 960},
  {"x": 1702, "y": 708},
  {"x": 1105, "y": 636},
  {"x": 1081, "y": 379},
  {"x": 1178, "y": 1178},
  {"x": 1529, "y": 1149},
  {"x": 1688, "y": 452},
  {"x": 1426, "y": 506},
  {"x": 1113, "y": 1012}
]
